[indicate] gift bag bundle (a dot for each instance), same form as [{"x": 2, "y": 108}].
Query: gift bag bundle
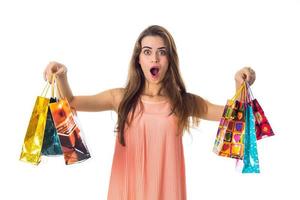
[
  {"x": 53, "y": 130},
  {"x": 243, "y": 123}
]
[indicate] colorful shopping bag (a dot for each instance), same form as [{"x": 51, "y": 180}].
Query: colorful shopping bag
[
  {"x": 32, "y": 145},
  {"x": 262, "y": 125},
  {"x": 250, "y": 160},
  {"x": 225, "y": 141},
  {"x": 263, "y": 128},
  {"x": 69, "y": 131},
  {"x": 51, "y": 143},
  {"x": 230, "y": 135}
]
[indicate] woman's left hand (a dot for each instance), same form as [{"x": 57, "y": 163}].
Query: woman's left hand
[{"x": 245, "y": 74}]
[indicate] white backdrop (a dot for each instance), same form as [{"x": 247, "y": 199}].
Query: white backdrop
[{"x": 95, "y": 39}]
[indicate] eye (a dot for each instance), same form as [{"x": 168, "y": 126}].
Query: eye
[
  {"x": 162, "y": 52},
  {"x": 147, "y": 52}
]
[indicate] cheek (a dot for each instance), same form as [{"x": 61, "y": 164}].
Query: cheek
[
  {"x": 164, "y": 60},
  {"x": 165, "y": 63},
  {"x": 142, "y": 61},
  {"x": 164, "y": 70},
  {"x": 143, "y": 67},
  {"x": 144, "y": 70}
]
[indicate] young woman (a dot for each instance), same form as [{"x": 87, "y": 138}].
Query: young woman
[{"x": 154, "y": 109}]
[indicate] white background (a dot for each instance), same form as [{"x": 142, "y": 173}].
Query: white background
[{"x": 94, "y": 39}]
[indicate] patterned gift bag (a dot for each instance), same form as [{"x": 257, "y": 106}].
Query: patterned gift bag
[
  {"x": 230, "y": 135},
  {"x": 248, "y": 112},
  {"x": 262, "y": 125},
  {"x": 32, "y": 145}
]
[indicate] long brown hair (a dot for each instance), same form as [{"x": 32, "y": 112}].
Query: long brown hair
[{"x": 183, "y": 104}]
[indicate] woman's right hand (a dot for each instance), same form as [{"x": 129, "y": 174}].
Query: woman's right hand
[{"x": 54, "y": 68}]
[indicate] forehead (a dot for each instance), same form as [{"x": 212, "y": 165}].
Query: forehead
[{"x": 153, "y": 41}]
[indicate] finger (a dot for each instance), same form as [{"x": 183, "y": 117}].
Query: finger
[
  {"x": 250, "y": 70},
  {"x": 251, "y": 75},
  {"x": 59, "y": 72},
  {"x": 240, "y": 79},
  {"x": 252, "y": 79},
  {"x": 49, "y": 76},
  {"x": 54, "y": 68},
  {"x": 247, "y": 76}
]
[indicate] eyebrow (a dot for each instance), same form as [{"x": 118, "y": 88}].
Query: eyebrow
[{"x": 151, "y": 47}]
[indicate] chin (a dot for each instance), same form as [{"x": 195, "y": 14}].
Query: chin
[{"x": 154, "y": 81}]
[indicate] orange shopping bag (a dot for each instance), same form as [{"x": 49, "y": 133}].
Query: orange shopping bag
[{"x": 69, "y": 131}]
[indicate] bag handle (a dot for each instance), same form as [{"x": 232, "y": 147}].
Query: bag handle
[
  {"x": 53, "y": 80},
  {"x": 45, "y": 90},
  {"x": 55, "y": 89},
  {"x": 47, "y": 86},
  {"x": 251, "y": 97},
  {"x": 238, "y": 93},
  {"x": 245, "y": 93}
]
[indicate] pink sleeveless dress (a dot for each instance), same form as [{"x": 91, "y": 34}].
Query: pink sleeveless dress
[{"x": 151, "y": 166}]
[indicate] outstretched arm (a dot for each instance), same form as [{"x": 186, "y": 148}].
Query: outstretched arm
[
  {"x": 106, "y": 100},
  {"x": 214, "y": 112},
  {"x": 103, "y": 101}
]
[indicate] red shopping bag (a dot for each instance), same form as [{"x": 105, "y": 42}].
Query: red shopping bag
[{"x": 262, "y": 126}]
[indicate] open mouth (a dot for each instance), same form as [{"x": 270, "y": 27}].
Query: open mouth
[{"x": 154, "y": 71}]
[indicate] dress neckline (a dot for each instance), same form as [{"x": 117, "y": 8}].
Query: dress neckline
[
  {"x": 153, "y": 102},
  {"x": 142, "y": 97}
]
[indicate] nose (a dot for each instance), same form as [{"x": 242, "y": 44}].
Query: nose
[{"x": 155, "y": 58}]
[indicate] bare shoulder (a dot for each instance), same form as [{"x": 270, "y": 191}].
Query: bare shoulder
[
  {"x": 196, "y": 105},
  {"x": 208, "y": 110},
  {"x": 195, "y": 97},
  {"x": 117, "y": 94}
]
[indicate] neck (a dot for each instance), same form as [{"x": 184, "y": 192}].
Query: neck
[{"x": 152, "y": 90}]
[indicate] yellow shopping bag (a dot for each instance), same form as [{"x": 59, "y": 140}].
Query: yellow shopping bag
[{"x": 33, "y": 142}]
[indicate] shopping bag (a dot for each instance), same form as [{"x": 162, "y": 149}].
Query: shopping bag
[
  {"x": 230, "y": 135},
  {"x": 51, "y": 143},
  {"x": 69, "y": 131},
  {"x": 33, "y": 141},
  {"x": 262, "y": 126},
  {"x": 250, "y": 160},
  {"x": 254, "y": 120}
]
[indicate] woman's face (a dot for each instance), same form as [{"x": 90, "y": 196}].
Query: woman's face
[{"x": 153, "y": 58}]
